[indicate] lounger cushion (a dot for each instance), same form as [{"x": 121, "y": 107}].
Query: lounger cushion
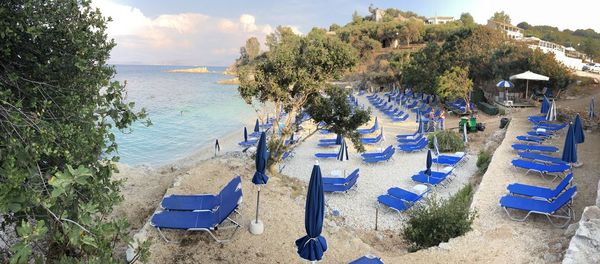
[
  {"x": 422, "y": 178},
  {"x": 404, "y": 194},
  {"x": 394, "y": 202},
  {"x": 539, "y": 192},
  {"x": 184, "y": 220},
  {"x": 530, "y": 165},
  {"x": 527, "y": 204}
]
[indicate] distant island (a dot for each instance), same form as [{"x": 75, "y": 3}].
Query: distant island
[{"x": 192, "y": 70}]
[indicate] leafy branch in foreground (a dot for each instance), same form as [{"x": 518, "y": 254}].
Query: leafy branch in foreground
[{"x": 57, "y": 111}]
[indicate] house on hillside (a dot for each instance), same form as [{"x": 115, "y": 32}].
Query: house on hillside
[
  {"x": 436, "y": 20},
  {"x": 511, "y": 31},
  {"x": 569, "y": 57}
]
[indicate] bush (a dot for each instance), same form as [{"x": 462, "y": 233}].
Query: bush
[
  {"x": 440, "y": 220},
  {"x": 448, "y": 141},
  {"x": 483, "y": 161}
]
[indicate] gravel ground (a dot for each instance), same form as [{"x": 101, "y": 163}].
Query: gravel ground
[{"x": 357, "y": 208}]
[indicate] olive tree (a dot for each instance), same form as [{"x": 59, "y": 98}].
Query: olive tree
[{"x": 292, "y": 75}]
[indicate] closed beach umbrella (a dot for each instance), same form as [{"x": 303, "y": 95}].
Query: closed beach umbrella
[
  {"x": 545, "y": 105},
  {"x": 312, "y": 246},
  {"x": 338, "y": 139},
  {"x": 591, "y": 109},
  {"x": 570, "y": 148},
  {"x": 245, "y": 135},
  {"x": 551, "y": 115},
  {"x": 420, "y": 128},
  {"x": 465, "y": 138},
  {"x": 389, "y": 98},
  {"x": 428, "y": 163},
  {"x": 578, "y": 130},
  {"x": 343, "y": 152},
  {"x": 436, "y": 145},
  {"x": 256, "y": 126},
  {"x": 376, "y": 125},
  {"x": 260, "y": 177}
]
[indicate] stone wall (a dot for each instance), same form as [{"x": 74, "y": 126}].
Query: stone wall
[{"x": 585, "y": 243}]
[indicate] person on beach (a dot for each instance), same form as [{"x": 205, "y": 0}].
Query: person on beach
[
  {"x": 442, "y": 118},
  {"x": 431, "y": 124}
]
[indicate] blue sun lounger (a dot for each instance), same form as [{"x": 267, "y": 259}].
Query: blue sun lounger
[
  {"x": 420, "y": 145},
  {"x": 368, "y": 259},
  {"x": 540, "y": 134},
  {"x": 436, "y": 177},
  {"x": 368, "y": 130},
  {"x": 551, "y": 127},
  {"x": 403, "y": 136},
  {"x": 201, "y": 202},
  {"x": 249, "y": 143},
  {"x": 541, "y": 158},
  {"x": 207, "y": 221},
  {"x": 537, "y": 119},
  {"x": 533, "y": 139},
  {"x": 400, "y": 118},
  {"x": 340, "y": 184},
  {"x": 388, "y": 155},
  {"x": 559, "y": 208},
  {"x": 390, "y": 148},
  {"x": 326, "y": 155},
  {"x": 410, "y": 140},
  {"x": 449, "y": 160},
  {"x": 542, "y": 169},
  {"x": 400, "y": 200},
  {"x": 540, "y": 193},
  {"x": 373, "y": 140},
  {"x": 534, "y": 148}
]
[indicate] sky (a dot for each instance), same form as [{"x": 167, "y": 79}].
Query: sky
[{"x": 210, "y": 33}]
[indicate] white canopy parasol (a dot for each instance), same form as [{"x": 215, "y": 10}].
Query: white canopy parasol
[{"x": 529, "y": 76}]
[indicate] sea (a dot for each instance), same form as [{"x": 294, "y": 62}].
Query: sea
[{"x": 188, "y": 111}]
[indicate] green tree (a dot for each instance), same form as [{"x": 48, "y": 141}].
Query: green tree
[
  {"x": 467, "y": 20},
  {"x": 455, "y": 83},
  {"x": 524, "y": 25},
  {"x": 424, "y": 68},
  {"x": 501, "y": 17},
  {"x": 57, "y": 111},
  {"x": 412, "y": 30},
  {"x": 292, "y": 74}
]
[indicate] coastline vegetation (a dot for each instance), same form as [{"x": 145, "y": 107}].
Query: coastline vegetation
[{"x": 58, "y": 106}]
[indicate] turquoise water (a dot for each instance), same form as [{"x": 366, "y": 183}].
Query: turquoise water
[{"x": 188, "y": 112}]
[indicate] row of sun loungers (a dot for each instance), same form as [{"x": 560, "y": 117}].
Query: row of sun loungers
[
  {"x": 204, "y": 212},
  {"x": 553, "y": 203}
]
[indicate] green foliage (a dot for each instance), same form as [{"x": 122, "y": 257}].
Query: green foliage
[
  {"x": 455, "y": 83},
  {"x": 292, "y": 74},
  {"x": 584, "y": 40},
  {"x": 501, "y": 17},
  {"x": 57, "y": 111},
  {"x": 332, "y": 108},
  {"x": 421, "y": 73},
  {"x": 250, "y": 51},
  {"x": 483, "y": 161},
  {"x": 467, "y": 20},
  {"x": 440, "y": 220},
  {"x": 448, "y": 141}
]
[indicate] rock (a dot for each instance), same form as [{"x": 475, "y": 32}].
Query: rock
[
  {"x": 596, "y": 81},
  {"x": 556, "y": 247},
  {"x": 598, "y": 196},
  {"x": 445, "y": 246},
  {"x": 585, "y": 244},
  {"x": 571, "y": 229},
  {"x": 551, "y": 258}
]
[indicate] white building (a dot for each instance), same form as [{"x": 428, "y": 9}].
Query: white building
[
  {"x": 511, "y": 31},
  {"x": 436, "y": 20},
  {"x": 566, "y": 56}
]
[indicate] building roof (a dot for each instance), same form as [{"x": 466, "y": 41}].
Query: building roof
[{"x": 441, "y": 17}]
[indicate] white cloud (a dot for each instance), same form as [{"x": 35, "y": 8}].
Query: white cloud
[{"x": 186, "y": 38}]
